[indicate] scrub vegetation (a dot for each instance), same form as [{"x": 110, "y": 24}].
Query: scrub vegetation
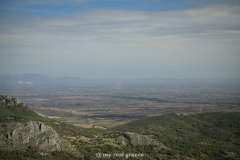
[{"x": 210, "y": 135}]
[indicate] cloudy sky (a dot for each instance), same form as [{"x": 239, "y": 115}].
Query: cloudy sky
[{"x": 121, "y": 38}]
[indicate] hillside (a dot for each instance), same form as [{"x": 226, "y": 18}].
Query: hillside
[
  {"x": 24, "y": 134},
  {"x": 13, "y": 110},
  {"x": 213, "y": 135},
  {"x": 201, "y": 136}
]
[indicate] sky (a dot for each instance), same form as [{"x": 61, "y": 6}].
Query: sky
[{"x": 121, "y": 38}]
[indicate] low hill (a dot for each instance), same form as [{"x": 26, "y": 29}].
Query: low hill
[{"x": 201, "y": 136}]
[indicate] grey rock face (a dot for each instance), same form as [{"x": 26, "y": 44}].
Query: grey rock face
[
  {"x": 137, "y": 139},
  {"x": 9, "y": 101},
  {"x": 229, "y": 155},
  {"x": 15, "y": 136}
]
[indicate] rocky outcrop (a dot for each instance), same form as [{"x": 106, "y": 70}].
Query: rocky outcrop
[
  {"x": 8, "y": 101},
  {"x": 16, "y": 136},
  {"x": 35, "y": 134},
  {"x": 229, "y": 155},
  {"x": 137, "y": 139}
]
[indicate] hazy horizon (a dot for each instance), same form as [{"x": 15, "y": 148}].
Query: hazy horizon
[
  {"x": 121, "y": 39},
  {"x": 25, "y": 75}
]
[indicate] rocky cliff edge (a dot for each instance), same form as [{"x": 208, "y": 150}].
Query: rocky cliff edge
[{"x": 17, "y": 136}]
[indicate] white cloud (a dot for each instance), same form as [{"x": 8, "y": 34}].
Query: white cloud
[{"x": 208, "y": 35}]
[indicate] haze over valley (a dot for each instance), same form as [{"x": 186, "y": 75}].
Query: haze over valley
[
  {"x": 119, "y": 79},
  {"x": 109, "y": 102}
]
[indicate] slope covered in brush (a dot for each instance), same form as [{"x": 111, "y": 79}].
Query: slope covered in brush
[
  {"x": 210, "y": 135},
  {"x": 13, "y": 110}
]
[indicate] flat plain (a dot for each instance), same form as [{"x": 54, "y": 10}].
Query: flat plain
[
  {"x": 107, "y": 103},
  {"x": 95, "y": 115}
]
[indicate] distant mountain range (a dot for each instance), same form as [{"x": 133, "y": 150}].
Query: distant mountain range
[
  {"x": 33, "y": 82},
  {"x": 36, "y": 79}
]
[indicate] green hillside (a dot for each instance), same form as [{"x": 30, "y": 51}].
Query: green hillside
[
  {"x": 13, "y": 110},
  {"x": 228, "y": 121},
  {"x": 200, "y": 136},
  {"x": 214, "y": 135}
]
